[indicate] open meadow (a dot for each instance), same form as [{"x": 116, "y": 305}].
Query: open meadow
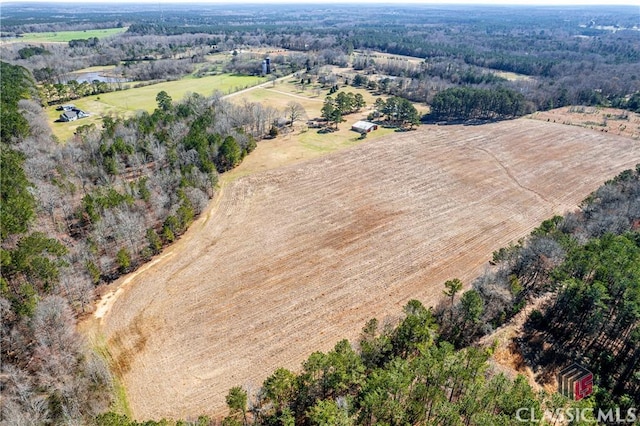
[
  {"x": 126, "y": 102},
  {"x": 297, "y": 252},
  {"x": 67, "y": 36},
  {"x": 279, "y": 93}
]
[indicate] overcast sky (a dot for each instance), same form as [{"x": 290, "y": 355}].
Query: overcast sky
[{"x": 494, "y": 2}]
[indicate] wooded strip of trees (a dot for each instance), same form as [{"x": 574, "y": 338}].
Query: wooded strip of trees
[
  {"x": 466, "y": 103},
  {"x": 144, "y": 179},
  {"x": 334, "y": 109},
  {"x": 59, "y": 93},
  {"x": 396, "y": 375},
  {"x": 29, "y": 51},
  {"x": 397, "y": 111}
]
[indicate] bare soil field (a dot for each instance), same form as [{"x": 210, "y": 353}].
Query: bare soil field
[{"x": 288, "y": 261}]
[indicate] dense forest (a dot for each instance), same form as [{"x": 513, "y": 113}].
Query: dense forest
[
  {"x": 48, "y": 374},
  {"x": 466, "y": 103}
]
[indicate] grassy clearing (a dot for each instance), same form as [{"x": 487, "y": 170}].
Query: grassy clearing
[
  {"x": 345, "y": 137},
  {"x": 218, "y": 59},
  {"x": 120, "y": 403},
  {"x": 298, "y": 146},
  {"x": 390, "y": 57},
  {"x": 144, "y": 98},
  {"x": 66, "y": 36},
  {"x": 512, "y": 76},
  {"x": 127, "y": 102},
  {"x": 278, "y": 95},
  {"x": 302, "y": 144},
  {"x": 310, "y": 141}
]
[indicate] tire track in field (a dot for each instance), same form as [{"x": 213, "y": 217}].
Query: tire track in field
[{"x": 512, "y": 176}]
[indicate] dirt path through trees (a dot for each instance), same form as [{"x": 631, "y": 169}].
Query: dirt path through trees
[{"x": 290, "y": 260}]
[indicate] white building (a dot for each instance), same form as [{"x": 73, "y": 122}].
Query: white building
[{"x": 364, "y": 126}]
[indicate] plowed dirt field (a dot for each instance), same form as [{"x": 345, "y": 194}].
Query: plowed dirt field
[{"x": 288, "y": 261}]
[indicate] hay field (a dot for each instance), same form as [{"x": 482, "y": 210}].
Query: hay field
[{"x": 287, "y": 261}]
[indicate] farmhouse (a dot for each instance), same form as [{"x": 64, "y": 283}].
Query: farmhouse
[
  {"x": 72, "y": 115},
  {"x": 364, "y": 126},
  {"x": 69, "y": 116}
]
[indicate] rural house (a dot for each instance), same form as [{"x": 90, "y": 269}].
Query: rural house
[
  {"x": 69, "y": 116},
  {"x": 72, "y": 115},
  {"x": 364, "y": 126}
]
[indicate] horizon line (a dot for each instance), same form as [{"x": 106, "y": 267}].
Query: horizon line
[{"x": 513, "y": 3}]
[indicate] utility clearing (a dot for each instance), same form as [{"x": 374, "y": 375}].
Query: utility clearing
[{"x": 288, "y": 261}]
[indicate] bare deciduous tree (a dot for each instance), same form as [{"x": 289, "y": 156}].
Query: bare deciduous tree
[{"x": 294, "y": 112}]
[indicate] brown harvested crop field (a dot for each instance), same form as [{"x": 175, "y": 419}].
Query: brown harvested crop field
[{"x": 288, "y": 261}]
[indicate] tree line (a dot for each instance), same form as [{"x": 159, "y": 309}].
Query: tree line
[
  {"x": 586, "y": 265},
  {"x": 465, "y": 103},
  {"x": 397, "y": 111},
  {"x": 146, "y": 178},
  {"x": 395, "y": 375}
]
